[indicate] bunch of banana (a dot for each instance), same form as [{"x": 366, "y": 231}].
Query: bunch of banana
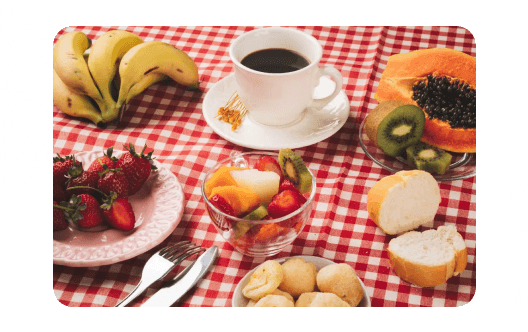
[{"x": 83, "y": 84}]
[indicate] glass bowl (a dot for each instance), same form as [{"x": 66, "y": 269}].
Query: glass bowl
[
  {"x": 463, "y": 165},
  {"x": 258, "y": 238}
]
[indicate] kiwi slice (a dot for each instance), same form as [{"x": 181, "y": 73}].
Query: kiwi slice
[
  {"x": 242, "y": 227},
  {"x": 257, "y": 214},
  {"x": 395, "y": 125},
  {"x": 428, "y": 158},
  {"x": 294, "y": 169}
]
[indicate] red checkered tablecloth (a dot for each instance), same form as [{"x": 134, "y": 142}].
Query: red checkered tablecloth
[{"x": 168, "y": 118}]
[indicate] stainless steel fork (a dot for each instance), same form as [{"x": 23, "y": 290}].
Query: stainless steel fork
[{"x": 159, "y": 265}]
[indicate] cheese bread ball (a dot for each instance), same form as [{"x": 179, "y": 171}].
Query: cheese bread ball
[
  {"x": 266, "y": 278},
  {"x": 274, "y": 301},
  {"x": 341, "y": 280},
  {"x": 252, "y": 303},
  {"x": 306, "y": 299},
  {"x": 299, "y": 277},
  {"x": 328, "y": 300}
]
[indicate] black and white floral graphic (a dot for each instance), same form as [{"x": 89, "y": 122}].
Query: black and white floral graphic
[
  {"x": 502, "y": 192},
  {"x": 26, "y": 96}
]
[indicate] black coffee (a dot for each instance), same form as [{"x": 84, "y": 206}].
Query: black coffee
[{"x": 275, "y": 60}]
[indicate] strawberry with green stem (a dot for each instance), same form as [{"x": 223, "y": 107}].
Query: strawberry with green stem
[
  {"x": 136, "y": 167},
  {"x": 116, "y": 211},
  {"x": 62, "y": 167},
  {"x": 83, "y": 210},
  {"x": 112, "y": 180},
  {"x": 107, "y": 159},
  {"x": 59, "y": 220},
  {"x": 87, "y": 180}
]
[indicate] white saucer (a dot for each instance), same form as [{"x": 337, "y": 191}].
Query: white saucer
[{"x": 313, "y": 126}]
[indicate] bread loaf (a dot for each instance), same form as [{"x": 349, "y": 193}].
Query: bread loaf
[
  {"x": 430, "y": 258},
  {"x": 403, "y": 201}
]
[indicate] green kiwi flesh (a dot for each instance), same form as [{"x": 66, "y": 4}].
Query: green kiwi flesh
[
  {"x": 257, "y": 214},
  {"x": 399, "y": 129},
  {"x": 428, "y": 158},
  {"x": 241, "y": 227},
  {"x": 294, "y": 169}
]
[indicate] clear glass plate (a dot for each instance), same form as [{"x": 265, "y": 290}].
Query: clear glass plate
[{"x": 463, "y": 166}]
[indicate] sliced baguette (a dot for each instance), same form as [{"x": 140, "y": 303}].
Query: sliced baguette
[
  {"x": 430, "y": 258},
  {"x": 403, "y": 201}
]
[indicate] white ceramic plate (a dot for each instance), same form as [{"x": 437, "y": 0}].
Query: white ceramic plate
[
  {"x": 314, "y": 126},
  {"x": 158, "y": 208},
  {"x": 240, "y": 300}
]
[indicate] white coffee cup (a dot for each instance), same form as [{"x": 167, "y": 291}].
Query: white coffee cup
[{"x": 278, "y": 99}]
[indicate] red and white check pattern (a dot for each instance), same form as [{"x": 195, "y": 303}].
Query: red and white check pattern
[{"x": 169, "y": 119}]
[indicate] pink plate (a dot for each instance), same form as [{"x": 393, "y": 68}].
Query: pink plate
[{"x": 158, "y": 207}]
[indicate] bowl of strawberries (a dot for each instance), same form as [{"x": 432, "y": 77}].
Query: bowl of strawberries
[{"x": 259, "y": 201}]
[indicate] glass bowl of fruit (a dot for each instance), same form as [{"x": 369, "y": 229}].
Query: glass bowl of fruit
[{"x": 259, "y": 201}]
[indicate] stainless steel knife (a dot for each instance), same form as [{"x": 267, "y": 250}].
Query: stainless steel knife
[{"x": 184, "y": 281}]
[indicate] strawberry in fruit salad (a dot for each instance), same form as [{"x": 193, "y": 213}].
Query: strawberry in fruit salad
[{"x": 285, "y": 202}]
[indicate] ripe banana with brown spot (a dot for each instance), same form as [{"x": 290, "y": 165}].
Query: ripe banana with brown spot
[
  {"x": 103, "y": 61},
  {"x": 72, "y": 103},
  {"x": 154, "y": 58},
  {"x": 71, "y": 67}
]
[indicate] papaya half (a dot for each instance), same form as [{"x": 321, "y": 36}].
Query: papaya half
[{"x": 442, "y": 82}]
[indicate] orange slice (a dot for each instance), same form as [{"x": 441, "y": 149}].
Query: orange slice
[
  {"x": 221, "y": 177},
  {"x": 241, "y": 200}
]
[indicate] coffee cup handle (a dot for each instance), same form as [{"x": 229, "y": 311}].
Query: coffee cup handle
[{"x": 338, "y": 79}]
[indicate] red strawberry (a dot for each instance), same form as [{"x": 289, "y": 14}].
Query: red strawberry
[
  {"x": 107, "y": 159},
  {"x": 59, "y": 220},
  {"x": 83, "y": 210},
  {"x": 136, "y": 167},
  {"x": 113, "y": 180},
  {"x": 268, "y": 163},
  {"x": 59, "y": 194},
  {"x": 285, "y": 203},
  {"x": 286, "y": 184},
  {"x": 118, "y": 212},
  {"x": 221, "y": 204},
  {"x": 87, "y": 179},
  {"x": 63, "y": 166}
]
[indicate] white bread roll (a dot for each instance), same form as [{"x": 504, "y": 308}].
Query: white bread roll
[
  {"x": 403, "y": 201},
  {"x": 429, "y": 258}
]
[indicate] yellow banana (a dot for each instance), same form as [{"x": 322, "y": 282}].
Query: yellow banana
[
  {"x": 71, "y": 67},
  {"x": 72, "y": 103},
  {"x": 155, "y": 58},
  {"x": 105, "y": 55},
  {"x": 138, "y": 88}
]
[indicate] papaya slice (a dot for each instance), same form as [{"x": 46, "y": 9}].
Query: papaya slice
[
  {"x": 442, "y": 82},
  {"x": 221, "y": 177},
  {"x": 240, "y": 199}
]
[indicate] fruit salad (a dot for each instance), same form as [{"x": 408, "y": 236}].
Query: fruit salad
[{"x": 261, "y": 204}]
